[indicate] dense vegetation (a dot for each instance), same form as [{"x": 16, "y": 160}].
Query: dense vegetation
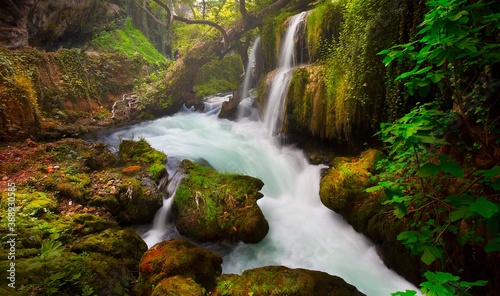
[
  {"x": 436, "y": 94},
  {"x": 442, "y": 169}
]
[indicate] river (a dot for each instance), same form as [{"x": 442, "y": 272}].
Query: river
[{"x": 303, "y": 233}]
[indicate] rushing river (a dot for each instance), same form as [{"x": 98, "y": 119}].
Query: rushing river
[{"x": 303, "y": 233}]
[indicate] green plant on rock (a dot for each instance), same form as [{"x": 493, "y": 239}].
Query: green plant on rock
[{"x": 52, "y": 281}]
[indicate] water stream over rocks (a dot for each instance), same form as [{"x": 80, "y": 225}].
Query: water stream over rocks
[{"x": 303, "y": 233}]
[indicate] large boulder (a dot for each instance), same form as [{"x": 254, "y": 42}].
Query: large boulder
[
  {"x": 346, "y": 180},
  {"x": 281, "y": 280},
  {"x": 210, "y": 206},
  {"x": 177, "y": 265}
]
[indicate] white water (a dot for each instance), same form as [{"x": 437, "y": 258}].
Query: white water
[
  {"x": 303, "y": 233},
  {"x": 273, "y": 117}
]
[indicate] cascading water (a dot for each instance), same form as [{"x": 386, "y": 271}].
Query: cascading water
[
  {"x": 273, "y": 117},
  {"x": 161, "y": 229},
  {"x": 303, "y": 233},
  {"x": 245, "y": 109},
  {"x": 247, "y": 81}
]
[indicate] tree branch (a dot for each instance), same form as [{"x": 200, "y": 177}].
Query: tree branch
[
  {"x": 173, "y": 17},
  {"x": 155, "y": 19}
]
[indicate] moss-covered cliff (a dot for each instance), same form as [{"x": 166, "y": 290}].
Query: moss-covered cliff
[
  {"x": 344, "y": 90},
  {"x": 68, "y": 92}
]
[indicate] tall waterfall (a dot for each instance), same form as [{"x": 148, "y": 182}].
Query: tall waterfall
[{"x": 274, "y": 113}]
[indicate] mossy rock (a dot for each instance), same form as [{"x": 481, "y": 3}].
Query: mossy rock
[
  {"x": 105, "y": 275},
  {"x": 36, "y": 219},
  {"x": 281, "y": 280},
  {"x": 139, "y": 201},
  {"x": 36, "y": 204},
  {"x": 107, "y": 201},
  {"x": 74, "y": 186},
  {"x": 181, "y": 258},
  {"x": 346, "y": 181},
  {"x": 210, "y": 206},
  {"x": 88, "y": 224},
  {"x": 140, "y": 151},
  {"x": 99, "y": 156},
  {"x": 178, "y": 286},
  {"x": 124, "y": 244}
]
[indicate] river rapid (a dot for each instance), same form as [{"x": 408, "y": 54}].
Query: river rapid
[{"x": 303, "y": 233}]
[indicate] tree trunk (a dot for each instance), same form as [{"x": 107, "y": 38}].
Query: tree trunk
[{"x": 179, "y": 82}]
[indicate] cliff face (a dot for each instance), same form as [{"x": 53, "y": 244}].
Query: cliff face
[
  {"x": 13, "y": 23},
  {"x": 344, "y": 91},
  {"x": 48, "y": 24}
]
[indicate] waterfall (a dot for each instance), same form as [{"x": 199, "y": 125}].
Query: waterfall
[
  {"x": 247, "y": 81},
  {"x": 162, "y": 228},
  {"x": 274, "y": 113}
]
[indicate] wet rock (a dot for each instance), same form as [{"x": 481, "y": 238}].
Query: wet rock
[
  {"x": 210, "y": 206},
  {"x": 281, "y": 280},
  {"x": 177, "y": 259},
  {"x": 347, "y": 179},
  {"x": 138, "y": 203}
]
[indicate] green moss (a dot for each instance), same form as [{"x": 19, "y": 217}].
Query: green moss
[
  {"x": 72, "y": 186},
  {"x": 119, "y": 243},
  {"x": 345, "y": 183},
  {"x": 280, "y": 280},
  {"x": 209, "y": 205},
  {"x": 178, "y": 285},
  {"x": 92, "y": 223},
  {"x": 323, "y": 26},
  {"x": 177, "y": 258},
  {"x": 130, "y": 42},
  {"x": 140, "y": 151},
  {"x": 37, "y": 203},
  {"x": 51, "y": 94}
]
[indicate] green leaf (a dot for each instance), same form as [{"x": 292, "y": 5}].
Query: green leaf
[
  {"x": 374, "y": 188},
  {"x": 493, "y": 246},
  {"x": 408, "y": 236},
  {"x": 423, "y": 70},
  {"x": 484, "y": 207},
  {"x": 429, "y": 170},
  {"x": 460, "y": 213},
  {"x": 440, "y": 277},
  {"x": 496, "y": 184},
  {"x": 430, "y": 254},
  {"x": 400, "y": 211},
  {"x": 460, "y": 200},
  {"x": 495, "y": 171},
  {"x": 449, "y": 166}
]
